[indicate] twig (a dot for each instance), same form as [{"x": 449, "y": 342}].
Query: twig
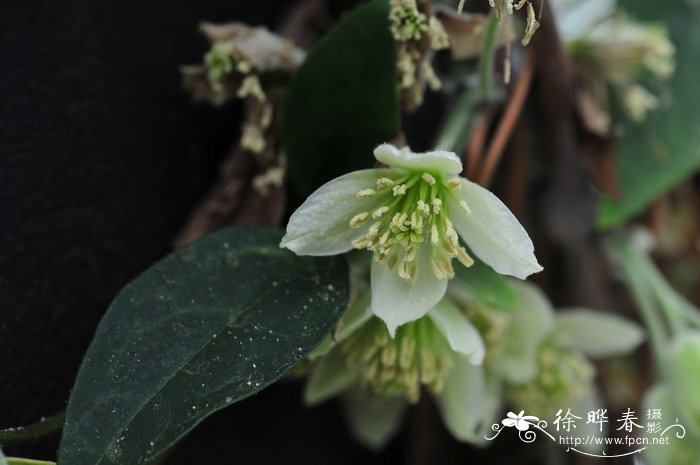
[
  {"x": 507, "y": 123},
  {"x": 477, "y": 142}
]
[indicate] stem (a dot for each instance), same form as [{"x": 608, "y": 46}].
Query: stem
[
  {"x": 11, "y": 436},
  {"x": 508, "y": 120},
  {"x": 21, "y": 461},
  {"x": 487, "y": 57},
  {"x": 455, "y": 132},
  {"x": 633, "y": 265},
  {"x": 458, "y": 124}
]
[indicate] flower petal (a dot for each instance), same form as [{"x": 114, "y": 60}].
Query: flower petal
[
  {"x": 439, "y": 160},
  {"x": 464, "y": 402},
  {"x": 374, "y": 421},
  {"x": 492, "y": 231},
  {"x": 596, "y": 334},
  {"x": 530, "y": 323},
  {"x": 331, "y": 377},
  {"x": 355, "y": 316},
  {"x": 320, "y": 225},
  {"x": 459, "y": 331},
  {"x": 397, "y": 301}
]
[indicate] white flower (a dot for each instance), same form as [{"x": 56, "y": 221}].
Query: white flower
[{"x": 411, "y": 216}]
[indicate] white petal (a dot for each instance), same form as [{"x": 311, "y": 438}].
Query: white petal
[
  {"x": 397, "y": 301},
  {"x": 439, "y": 160},
  {"x": 531, "y": 322},
  {"x": 596, "y": 334},
  {"x": 374, "y": 421},
  {"x": 331, "y": 377},
  {"x": 320, "y": 225},
  {"x": 492, "y": 232},
  {"x": 465, "y": 403},
  {"x": 459, "y": 331}
]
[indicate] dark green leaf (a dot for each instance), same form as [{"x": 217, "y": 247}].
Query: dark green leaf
[
  {"x": 342, "y": 101},
  {"x": 486, "y": 285},
  {"x": 203, "y": 328},
  {"x": 654, "y": 157}
]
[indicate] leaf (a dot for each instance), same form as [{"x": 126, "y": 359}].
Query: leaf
[
  {"x": 342, "y": 102},
  {"x": 654, "y": 157},
  {"x": 207, "y": 326},
  {"x": 486, "y": 285},
  {"x": 595, "y": 333}
]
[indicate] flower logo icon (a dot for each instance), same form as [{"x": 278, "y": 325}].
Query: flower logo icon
[{"x": 520, "y": 421}]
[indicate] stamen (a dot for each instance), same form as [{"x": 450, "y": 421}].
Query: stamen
[
  {"x": 423, "y": 208},
  {"x": 383, "y": 183},
  {"x": 361, "y": 242},
  {"x": 437, "y": 206},
  {"x": 374, "y": 230},
  {"x": 463, "y": 205},
  {"x": 379, "y": 212},
  {"x": 358, "y": 219},
  {"x": 399, "y": 190},
  {"x": 365, "y": 193},
  {"x": 454, "y": 183},
  {"x": 428, "y": 178},
  {"x": 464, "y": 257},
  {"x": 434, "y": 237}
]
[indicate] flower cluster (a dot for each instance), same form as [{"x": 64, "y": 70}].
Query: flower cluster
[
  {"x": 614, "y": 52},
  {"x": 418, "y": 33},
  {"x": 454, "y": 354}
]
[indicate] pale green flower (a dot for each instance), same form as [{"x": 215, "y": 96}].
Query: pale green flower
[
  {"x": 411, "y": 216},
  {"x": 537, "y": 359},
  {"x": 613, "y": 51},
  {"x": 377, "y": 375},
  {"x": 472, "y": 358}
]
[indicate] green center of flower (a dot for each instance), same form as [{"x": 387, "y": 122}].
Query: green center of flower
[
  {"x": 418, "y": 355},
  {"x": 412, "y": 212}
]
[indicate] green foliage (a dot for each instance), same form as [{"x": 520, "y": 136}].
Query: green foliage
[
  {"x": 655, "y": 156},
  {"x": 209, "y": 325},
  {"x": 342, "y": 102}
]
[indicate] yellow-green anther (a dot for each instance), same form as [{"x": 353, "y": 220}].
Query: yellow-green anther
[
  {"x": 437, "y": 206},
  {"x": 463, "y": 205},
  {"x": 434, "y": 236},
  {"x": 383, "y": 183},
  {"x": 399, "y": 190},
  {"x": 358, "y": 220},
  {"x": 531, "y": 25},
  {"x": 379, "y": 212},
  {"x": 428, "y": 178},
  {"x": 454, "y": 183}
]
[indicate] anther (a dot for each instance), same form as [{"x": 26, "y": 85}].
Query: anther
[
  {"x": 399, "y": 190},
  {"x": 383, "y": 183},
  {"x": 365, "y": 193},
  {"x": 437, "y": 206},
  {"x": 423, "y": 208},
  {"x": 434, "y": 237},
  {"x": 358, "y": 219},
  {"x": 379, "y": 212},
  {"x": 463, "y": 205},
  {"x": 454, "y": 183},
  {"x": 428, "y": 178}
]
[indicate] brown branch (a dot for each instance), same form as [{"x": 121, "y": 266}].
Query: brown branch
[{"x": 507, "y": 123}]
